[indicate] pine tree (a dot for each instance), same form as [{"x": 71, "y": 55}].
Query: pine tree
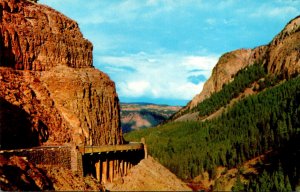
[{"x": 238, "y": 186}]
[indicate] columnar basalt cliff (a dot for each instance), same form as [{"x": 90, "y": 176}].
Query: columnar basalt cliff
[
  {"x": 50, "y": 92},
  {"x": 280, "y": 56}
]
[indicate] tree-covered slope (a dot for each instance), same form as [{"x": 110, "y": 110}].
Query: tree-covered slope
[
  {"x": 243, "y": 79},
  {"x": 257, "y": 124},
  {"x": 280, "y": 57}
]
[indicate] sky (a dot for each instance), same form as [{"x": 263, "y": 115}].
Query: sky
[{"x": 163, "y": 51}]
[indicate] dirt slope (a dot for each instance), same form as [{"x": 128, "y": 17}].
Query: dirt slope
[{"x": 148, "y": 175}]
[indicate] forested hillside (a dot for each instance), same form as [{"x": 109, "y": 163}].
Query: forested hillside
[
  {"x": 246, "y": 117},
  {"x": 241, "y": 81},
  {"x": 268, "y": 121}
]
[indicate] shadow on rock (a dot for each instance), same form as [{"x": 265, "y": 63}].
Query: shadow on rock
[{"x": 16, "y": 129}]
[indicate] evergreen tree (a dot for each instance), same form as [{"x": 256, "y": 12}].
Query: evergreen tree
[
  {"x": 238, "y": 186},
  {"x": 257, "y": 124}
]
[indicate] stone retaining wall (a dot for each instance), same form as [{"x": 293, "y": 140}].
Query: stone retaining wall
[{"x": 45, "y": 156}]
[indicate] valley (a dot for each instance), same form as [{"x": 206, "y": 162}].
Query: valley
[
  {"x": 63, "y": 126},
  {"x": 136, "y": 116},
  {"x": 238, "y": 117}
]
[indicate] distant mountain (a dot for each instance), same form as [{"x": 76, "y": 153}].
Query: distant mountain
[{"x": 140, "y": 115}]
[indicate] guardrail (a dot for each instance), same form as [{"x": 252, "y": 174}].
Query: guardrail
[{"x": 110, "y": 148}]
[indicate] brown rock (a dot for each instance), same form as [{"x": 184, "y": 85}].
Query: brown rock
[
  {"x": 283, "y": 54},
  {"x": 50, "y": 93},
  {"x": 17, "y": 174},
  {"x": 36, "y": 37}
]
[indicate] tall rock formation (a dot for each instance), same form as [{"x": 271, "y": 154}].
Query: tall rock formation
[
  {"x": 50, "y": 93},
  {"x": 283, "y": 53},
  {"x": 281, "y": 57}
]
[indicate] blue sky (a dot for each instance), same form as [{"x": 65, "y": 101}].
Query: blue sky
[{"x": 162, "y": 51}]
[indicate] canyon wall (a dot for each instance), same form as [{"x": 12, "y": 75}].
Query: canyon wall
[{"x": 50, "y": 93}]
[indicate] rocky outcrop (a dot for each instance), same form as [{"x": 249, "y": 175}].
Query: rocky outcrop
[
  {"x": 226, "y": 68},
  {"x": 17, "y": 174},
  {"x": 281, "y": 57},
  {"x": 48, "y": 82},
  {"x": 283, "y": 53},
  {"x": 36, "y": 37},
  {"x": 228, "y": 65}
]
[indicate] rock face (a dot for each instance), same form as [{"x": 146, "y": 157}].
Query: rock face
[
  {"x": 281, "y": 57},
  {"x": 48, "y": 82},
  {"x": 17, "y": 174},
  {"x": 283, "y": 53},
  {"x": 36, "y": 37}
]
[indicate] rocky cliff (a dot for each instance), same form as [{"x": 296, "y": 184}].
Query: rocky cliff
[
  {"x": 283, "y": 53},
  {"x": 281, "y": 57},
  {"x": 50, "y": 93}
]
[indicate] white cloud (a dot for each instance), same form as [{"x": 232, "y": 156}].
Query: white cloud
[
  {"x": 210, "y": 21},
  {"x": 280, "y": 12},
  {"x": 136, "y": 88},
  {"x": 98, "y": 12},
  {"x": 196, "y": 62},
  {"x": 157, "y": 75}
]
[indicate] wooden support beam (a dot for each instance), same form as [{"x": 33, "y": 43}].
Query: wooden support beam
[
  {"x": 143, "y": 141},
  {"x": 97, "y": 166},
  {"x": 129, "y": 166},
  {"x": 125, "y": 168},
  {"x": 115, "y": 169},
  {"x": 118, "y": 168},
  {"x": 111, "y": 170},
  {"x": 110, "y": 148},
  {"x": 104, "y": 171},
  {"x": 122, "y": 168}
]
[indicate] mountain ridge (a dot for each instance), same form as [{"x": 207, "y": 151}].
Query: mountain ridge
[{"x": 276, "y": 61}]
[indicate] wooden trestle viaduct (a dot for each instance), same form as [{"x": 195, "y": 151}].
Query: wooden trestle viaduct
[{"x": 106, "y": 163}]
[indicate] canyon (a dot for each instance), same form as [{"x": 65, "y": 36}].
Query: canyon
[{"x": 59, "y": 115}]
